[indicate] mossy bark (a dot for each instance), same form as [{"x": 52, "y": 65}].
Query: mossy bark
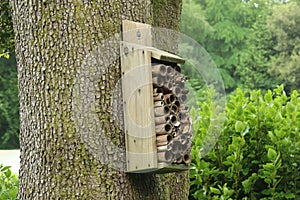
[{"x": 52, "y": 40}]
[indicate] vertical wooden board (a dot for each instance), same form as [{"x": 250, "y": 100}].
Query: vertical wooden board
[
  {"x": 137, "y": 91},
  {"x": 137, "y": 33}
]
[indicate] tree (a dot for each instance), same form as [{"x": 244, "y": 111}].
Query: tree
[
  {"x": 234, "y": 33},
  {"x": 283, "y": 24},
  {"x": 9, "y": 104},
  {"x": 6, "y": 31},
  {"x": 52, "y": 40}
]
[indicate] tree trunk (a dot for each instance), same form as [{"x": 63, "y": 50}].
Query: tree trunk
[{"x": 52, "y": 41}]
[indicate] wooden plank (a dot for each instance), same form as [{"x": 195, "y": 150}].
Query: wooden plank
[
  {"x": 165, "y": 56},
  {"x": 137, "y": 33},
  {"x": 137, "y": 91},
  {"x": 167, "y": 168}
]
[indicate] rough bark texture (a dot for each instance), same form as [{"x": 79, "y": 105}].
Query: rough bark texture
[{"x": 52, "y": 40}]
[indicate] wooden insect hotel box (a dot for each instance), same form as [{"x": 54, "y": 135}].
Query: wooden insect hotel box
[{"x": 157, "y": 124}]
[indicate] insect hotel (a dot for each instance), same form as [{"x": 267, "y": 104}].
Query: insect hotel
[{"x": 157, "y": 124}]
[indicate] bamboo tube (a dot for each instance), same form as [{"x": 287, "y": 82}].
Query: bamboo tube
[
  {"x": 162, "y": 140},
  {"x": 172, "y": 119},
  {"x": 183, "y": 108},
  {"x": 182, "y": 98},
  {"x": 176, "y": 147},
  {"x": 177, "y": 103},
  {"x": 187, "y": 158},
  {"x": 159, "y": 70},
  {"x": 182, "y": 115},
  {"x": 185, "y": 91},
  {"x": 170, "y": 70},
  {"x": 161, "y": 119},
  {"x": 163, "y": 129},
  {"x": 158, "y": 81},
  {"x": 169, "y": 98},
  {"x": 176, "y": 90},
  {"x": 180, "y": 84},
  {"x": 164, "y": 148},
  {"x": 158, "y": 96},
  {"x": 161, "y": 110},
  {"x": 189, "y": 143},
  {"x": 184, "y": 149},
  {"x": 166, "y": 78},
  {"x": 179, "y": 159},
  {"x": 177, "y": 68},
  {"x": 158, "y": 103},
  {"x": 178, "y": 79},
  {"x": 164, "y": 156},
  {"x": 169, "y": 85},
  {"x": 186, "y": 120},
  {"x": 185, "y": 128},
  {"x": 158, "y": 90},
  {"x": 174, "y": 109},
  {"x": 183, "y": 138}
]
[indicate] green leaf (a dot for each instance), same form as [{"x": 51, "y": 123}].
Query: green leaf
[
  {"x": 5, "y": 168},
  {"x": 215, "y": 190},
  {"x": 240, "y": 126},
  {"x": 8, "y": 173},
  {"x": 272, "y": 154}
]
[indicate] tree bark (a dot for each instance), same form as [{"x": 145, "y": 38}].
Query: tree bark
[{"x": 52, "y": 40}]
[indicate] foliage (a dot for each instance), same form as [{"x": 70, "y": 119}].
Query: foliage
[
  {"x": 6, "y": 29},
  {"x": 8, "y": 183},
  {"x": 284, "y": 26},
  {"x": 9, "y": 104},
  {"x": 257, "y": 155},
  {"x": 234, "y": 33}
]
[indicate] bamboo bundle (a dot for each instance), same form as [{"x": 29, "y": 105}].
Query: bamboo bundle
[{"x": 172, "y": 120}]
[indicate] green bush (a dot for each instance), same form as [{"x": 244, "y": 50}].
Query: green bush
[
  {"x": 258, "y": 153},
  {"x": 8, "y": 183}
]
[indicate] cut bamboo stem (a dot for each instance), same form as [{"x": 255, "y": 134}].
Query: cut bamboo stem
[
  {"x": 158, "y": 81},
  {"x": 164, "y": 148},
  {"x": 158, "y": 90},
  {"x": 158, "y": 103},
  {"x": 158, "y": 96},
  {"x": 159, "y": 70},
  {"x": 176, "y": 90},
  {"x": 161, "y": 111},
  {"x": 161, "y": 119},
  {"x": 163, "y": 129},
  {"x": 174, "y": 109},
  {"x": 176, "y": 147},
  {"x": 169, "y": 98},
  {"x": 163, "y": 140},
  {"x": 164, "y": 156},
  {"x": 187, "y": 158}
]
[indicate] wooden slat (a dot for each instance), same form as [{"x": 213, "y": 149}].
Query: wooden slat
[
  {"x": 141, "y": 153},
  {"x": 165, "y": 56},
  {"x": 137, "y": 33},
  {"x": 138, "y": 111}
]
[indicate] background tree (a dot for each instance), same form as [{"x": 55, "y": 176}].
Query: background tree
[
  {"x": 234, "y": 33},
  {"x": 284, "y": 26},
  {"x": 52, "y": 40},
  {"x": 9, "y": 104},
  {"x": 6, "y": 31}
]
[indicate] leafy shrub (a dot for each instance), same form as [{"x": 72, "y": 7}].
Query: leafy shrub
[
  {"x": 8, "y": 183},
  {"x": 258, "y": 153}
]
